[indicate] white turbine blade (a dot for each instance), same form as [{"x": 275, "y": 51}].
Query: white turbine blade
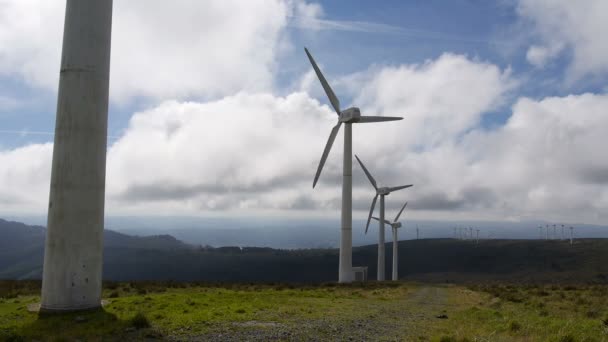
[
  {"x": 385, "y": 220},
  {"x": 400, "y": 211},
  {"x": 399, "y": 187},
  {"x": 371, "y": 211},
  {"x": 366, "y": 119},
  {"x": 369, "y": 175},
  {"x": 333, "y": 99},
  {"x": 330, "y": 142}
]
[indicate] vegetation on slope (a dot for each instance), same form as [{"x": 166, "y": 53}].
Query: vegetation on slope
[{"x": 371, "y": 311}]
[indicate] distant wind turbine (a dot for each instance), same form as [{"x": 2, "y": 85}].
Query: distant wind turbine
[
  {"x": 346, "y": 117},
  {"x": 571, "y": 234},
  {"x": 395, "y": 225},
  {"x": 554, "y": 232},
  {"x": 382, "y": 192}
]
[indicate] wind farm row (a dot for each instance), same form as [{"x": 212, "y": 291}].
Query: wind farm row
[{"x": 348, "y": 117}]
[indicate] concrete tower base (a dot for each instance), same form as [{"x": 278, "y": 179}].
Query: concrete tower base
[{"x": 74, "y": 239}]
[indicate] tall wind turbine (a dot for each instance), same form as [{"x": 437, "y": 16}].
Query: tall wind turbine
[
  {"x": 383, "y": 191},
  {"x": 71, "y": 276},
  {"x": 395, "y": 225},
  {"x": 346, "y": 117}
]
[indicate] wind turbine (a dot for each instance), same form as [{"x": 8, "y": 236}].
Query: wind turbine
[
  {"x": 571, "y": 234},
  {"x": 554, "y": 232},
  {"x": 394, "y": 225},
  {"x": 346, "y": 117},
  {"x": 383, "y": 191}
]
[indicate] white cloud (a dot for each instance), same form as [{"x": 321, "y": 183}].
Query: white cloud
[
  {"x": 160, "y": 49},
  {"x": 25, "y": 178},
  {"x": 30, "y": 40},
  {"x": 539, "y": 56},
  {"x": 577, "y": 25},
  {"x": 256, "y": 152},
  {"x": 440, "y": 99}
]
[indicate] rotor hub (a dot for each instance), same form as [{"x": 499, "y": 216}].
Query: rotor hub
[
  {"x": 350, "y": 115},
  {"x": 383, "y": 191}
]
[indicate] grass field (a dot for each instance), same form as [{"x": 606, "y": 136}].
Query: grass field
[{"x": 371, "y": 311}]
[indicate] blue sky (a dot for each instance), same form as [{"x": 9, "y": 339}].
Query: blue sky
[{"x": 524, "y": 79}]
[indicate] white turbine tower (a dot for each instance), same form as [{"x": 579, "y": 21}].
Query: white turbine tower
[
  {"x": 395, "y": 225},
  {"x": 346, "y": 117},
  {"x": 72, "y": 272},
  {"x": 554, "y": 232},
  {"x": 383, "y": 191},
  {"x": 571, "y": 234}
]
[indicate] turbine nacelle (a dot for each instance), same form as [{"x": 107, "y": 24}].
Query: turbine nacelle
[
  {"x": 396, "y": 225},
  {"x": 352, "y": 114},
  {"x": 383, "y": 191}
]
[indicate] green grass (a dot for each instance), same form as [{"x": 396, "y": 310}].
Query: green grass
[{"x": 385, "y": 311}]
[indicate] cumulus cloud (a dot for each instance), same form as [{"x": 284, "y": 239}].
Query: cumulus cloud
[
  {"x": 578, "y": 25},
  {"x": 25, "y": 178},
  {"x": 256, "y": 152},
  {"x": 539, "y": 56},
  {"x": 160, "y": 50}
]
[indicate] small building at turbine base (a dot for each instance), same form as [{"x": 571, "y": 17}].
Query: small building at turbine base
[{"x": 360, "y": 273}]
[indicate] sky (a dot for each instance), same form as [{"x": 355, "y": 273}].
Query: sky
[{"x": 215, "y": 110}]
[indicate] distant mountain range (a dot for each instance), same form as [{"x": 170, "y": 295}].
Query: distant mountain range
[{"x": 162, "y": 257}]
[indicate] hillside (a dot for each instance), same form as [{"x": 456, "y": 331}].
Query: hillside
[
  {"x": 436, "y": 260},
  {"x": 373, "y": 311}
]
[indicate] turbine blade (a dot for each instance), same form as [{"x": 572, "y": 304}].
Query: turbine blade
[
  {"x": 330, "y": 142},
  {"x": 399, "y": 187},
  {"x": 333, "y": 99},
  {"x": 369, "y": 175},
  {"x": 366, "y": 119},
  {"x": 371, "y": 211},
  {"x": 385, "y": 220},
  {"x": 400, "y": 211}
]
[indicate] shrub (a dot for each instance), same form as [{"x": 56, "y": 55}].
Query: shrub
[
  {"x": 514, "y": 326},
  {"x": 566, "y": 338},
  {"x": 114, "y": 294},
  {"x": 140, "y": 321},
  {"x": 593, "y": 313}
]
